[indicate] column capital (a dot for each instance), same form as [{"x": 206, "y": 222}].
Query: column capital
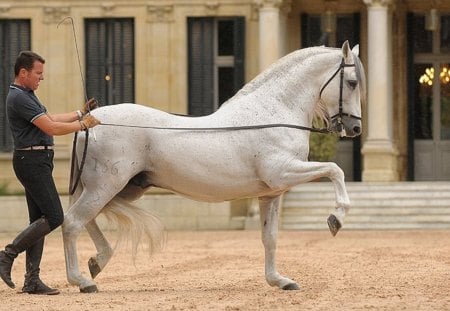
[
  {"x": 279, "y": 4},
  {"x": 4, "y": 9},
  {"x": 54, "y": 14},
  {"x": 212, "y": 7},
  {"x": 159, "y": 13},
  {"x": 378, "y": 3}
]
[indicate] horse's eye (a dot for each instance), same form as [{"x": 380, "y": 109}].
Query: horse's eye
[{"x": 352, "y": 83}]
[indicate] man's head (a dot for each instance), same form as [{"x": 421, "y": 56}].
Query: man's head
[{"x": 29, "y": 69}]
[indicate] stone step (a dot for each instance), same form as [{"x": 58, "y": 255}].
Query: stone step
[
  {"x": 402, "y": 205},
  {"x": 419, "y": 210},
  {"x": 366, "y": 226},
  {"x": 361, "y": 203}
]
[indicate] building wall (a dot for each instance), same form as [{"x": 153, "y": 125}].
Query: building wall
[{"x": 161, "y": 57}]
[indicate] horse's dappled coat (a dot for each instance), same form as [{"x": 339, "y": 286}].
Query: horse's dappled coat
[{"x": 214, "y": 165}]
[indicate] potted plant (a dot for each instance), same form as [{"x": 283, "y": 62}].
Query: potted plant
[{"x": 322, "y": 147}]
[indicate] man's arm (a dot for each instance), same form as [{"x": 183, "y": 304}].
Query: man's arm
[
  {"x": 64, "y": 117},
  {"x": 60, "y": 124}
]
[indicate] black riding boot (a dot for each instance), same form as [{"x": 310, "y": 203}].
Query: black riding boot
[
  {"x": 33, "y": 284},
  {"x": 28, "y": 237}
]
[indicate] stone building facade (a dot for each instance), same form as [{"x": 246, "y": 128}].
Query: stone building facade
[{"x": 189, "y": 56}]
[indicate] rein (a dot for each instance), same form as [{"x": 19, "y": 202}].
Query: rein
[
  {"x": 225, "y": 128},
  {"x": 73, "y": 185}
]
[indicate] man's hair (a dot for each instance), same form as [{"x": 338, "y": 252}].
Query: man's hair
[{"x": 26, "y": 60}]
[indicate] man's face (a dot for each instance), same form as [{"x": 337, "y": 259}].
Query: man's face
[{"x": 31, "y": 79}]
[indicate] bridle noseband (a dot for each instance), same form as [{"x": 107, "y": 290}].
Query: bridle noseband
[{"x": 341, "y": 113}]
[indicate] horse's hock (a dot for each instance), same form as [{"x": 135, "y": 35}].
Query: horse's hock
[{"x": 177, "y": 213}]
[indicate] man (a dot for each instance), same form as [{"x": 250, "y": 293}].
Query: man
[{"x": 33, "y": 129}]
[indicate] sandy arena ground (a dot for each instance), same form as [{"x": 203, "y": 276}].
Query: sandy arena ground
[{"x": 356, "y": 270}]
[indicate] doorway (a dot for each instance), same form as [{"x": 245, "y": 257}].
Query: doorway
[{"x": 429, "y": 99}]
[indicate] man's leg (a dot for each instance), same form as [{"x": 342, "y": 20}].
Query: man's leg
[
  {"x": 33, "y": 284},
  {"x": 27, "y": 238}
]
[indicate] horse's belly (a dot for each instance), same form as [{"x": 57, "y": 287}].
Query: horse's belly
[
  {"x": 206, "y": 181},
  {"x": 217, "y": 191}
]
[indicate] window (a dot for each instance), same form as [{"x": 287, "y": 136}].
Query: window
[
  {"x": 14, "y": 37},
  {"x": 428, "y": 98},
  {"x": 216, "y": 62},
  {"x": 110, "y": 60},
  {"x": 347, "y": 28},
  {"x": 430, "y": 93}
]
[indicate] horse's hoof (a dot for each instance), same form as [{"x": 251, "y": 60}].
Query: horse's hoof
[
  {"x": 333, "y": 224},
  {"x": 94, "y": 268},
  {"x": 89, "y": 289},
  {"x": 291, "y": 286}
]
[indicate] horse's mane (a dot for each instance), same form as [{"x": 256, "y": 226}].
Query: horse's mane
[
  {"x": 281, "y": 66},
  {"x": 360, "y": 74},
  {"x": 284, "y": 66}
]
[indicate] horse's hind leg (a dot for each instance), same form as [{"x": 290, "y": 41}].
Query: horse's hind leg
[
  {"x": 72, "y": 228},
  {"x": 269, "y": 230},
  {"x": 83, "y": 211},
  {"x": 104, "y": 250}
]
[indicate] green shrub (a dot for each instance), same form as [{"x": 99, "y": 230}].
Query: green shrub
[
  {"x": 4, "y": 189},
  {"x": 322, "y": 147}
]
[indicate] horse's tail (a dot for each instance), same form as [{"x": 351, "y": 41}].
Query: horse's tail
[
  {"x": 132, "y": 222},
  {"x": 136, "y": 224}
]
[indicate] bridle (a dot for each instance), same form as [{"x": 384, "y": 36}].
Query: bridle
[{"x": 339, "y": 116}]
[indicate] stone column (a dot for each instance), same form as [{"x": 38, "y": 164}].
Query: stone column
[
  {"x": 379, "y": 151},
  {"x": 272, "y": 46},
  {"x": 270, "y": 42}
]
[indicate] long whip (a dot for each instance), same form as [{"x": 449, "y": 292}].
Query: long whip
[
  {"x": 78, "y": 54},
  {"x": 73, "y": 185}
]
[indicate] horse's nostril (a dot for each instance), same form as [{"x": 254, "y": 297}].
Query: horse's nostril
[{"x": 357, "y": 129}]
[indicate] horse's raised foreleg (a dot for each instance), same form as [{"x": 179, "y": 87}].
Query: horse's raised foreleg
[
  {"x": 104, "y": 250},
  {"x": 269, "y": 231},
  {"x": 301, "y": 172}
]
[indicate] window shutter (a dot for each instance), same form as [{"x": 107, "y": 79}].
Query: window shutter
[
  {"x": 14, "y": 37},
  {"x": 123, "y": 60},
  {"x": 95, "y": 59},
  {"x": 311, "y": 31},
  {"x": 200, "y": 72},
  {"x": 110, "y": 60},
  {"x": 348, "y": 29},
  {"x": 239, "y": 53}
]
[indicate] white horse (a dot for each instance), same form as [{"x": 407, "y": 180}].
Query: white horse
[{"x": 217, "y": 157}]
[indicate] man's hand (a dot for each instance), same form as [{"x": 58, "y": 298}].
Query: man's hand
[
  {"x": 88, "y": 122},
  {"x": 91, "y": 104}
]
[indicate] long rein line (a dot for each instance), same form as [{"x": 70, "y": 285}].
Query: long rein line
[{"x": 224, "y": 128}]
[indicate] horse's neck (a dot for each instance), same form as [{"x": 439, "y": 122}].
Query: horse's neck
[{"x": 288, "y": 89}]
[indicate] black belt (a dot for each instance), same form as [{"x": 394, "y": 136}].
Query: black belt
[{"x": 36, "y": 148}]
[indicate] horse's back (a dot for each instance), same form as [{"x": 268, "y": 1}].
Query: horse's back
[{"x": 203, "y": 165}]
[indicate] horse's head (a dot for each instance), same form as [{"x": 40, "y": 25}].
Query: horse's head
[{"x": 342, "y": 93}]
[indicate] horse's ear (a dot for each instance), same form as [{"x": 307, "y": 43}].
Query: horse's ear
[
  {"x": 355, "y": 50},
  {"x": 346, "y": 51}
]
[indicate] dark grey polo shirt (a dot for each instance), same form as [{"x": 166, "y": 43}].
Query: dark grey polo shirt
[{"x": 23, "y": 107}]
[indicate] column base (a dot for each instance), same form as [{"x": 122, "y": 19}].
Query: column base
[{"x": 380, "y": 161}]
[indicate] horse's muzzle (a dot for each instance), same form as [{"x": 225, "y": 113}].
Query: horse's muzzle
[{"x": 347, "y": 126}]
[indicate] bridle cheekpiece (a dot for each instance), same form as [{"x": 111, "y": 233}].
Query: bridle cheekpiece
[{"x": 339, "y": 116}]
